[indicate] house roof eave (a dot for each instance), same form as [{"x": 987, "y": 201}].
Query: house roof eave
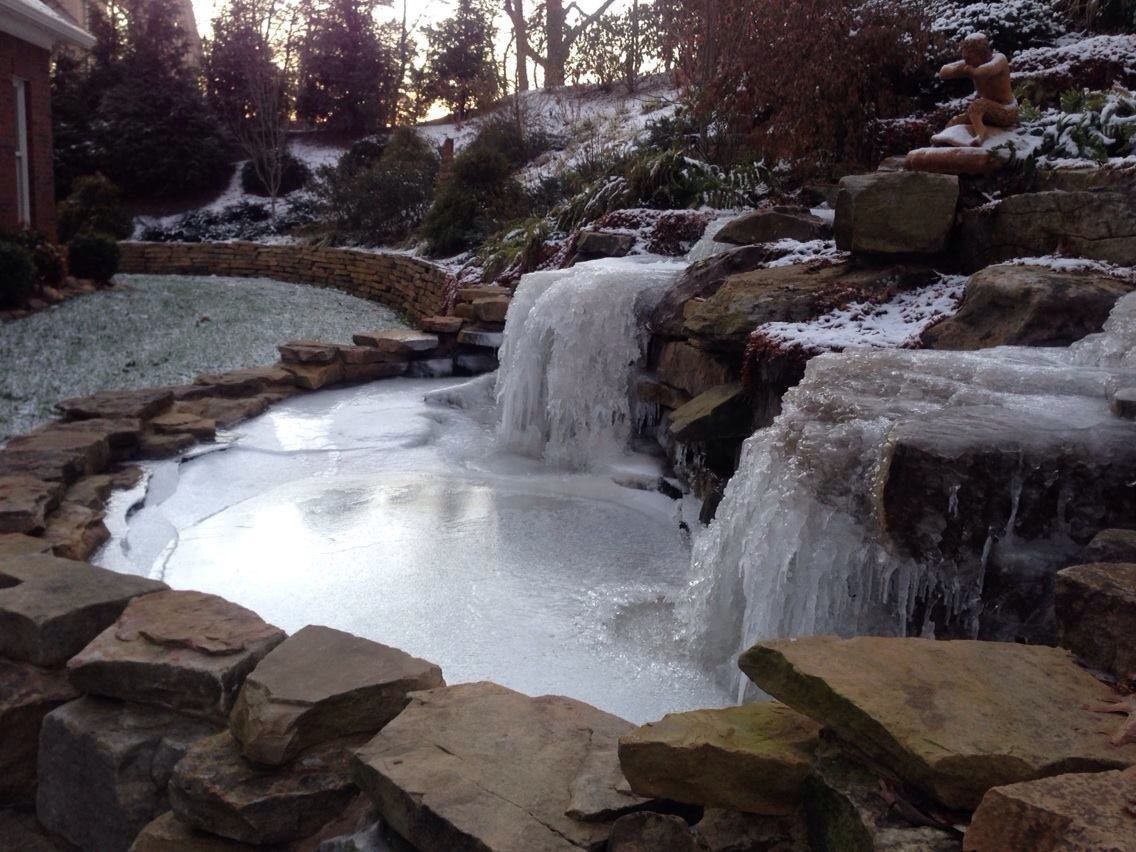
[{"x": 35, "y": 23}]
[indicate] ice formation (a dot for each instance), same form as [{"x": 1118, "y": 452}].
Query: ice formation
[
  {"x": 797, "y": 546},
  {"x": 572, "y": 342}
]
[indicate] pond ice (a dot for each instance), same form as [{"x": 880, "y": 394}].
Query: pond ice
[{"x": 161, "y": 330}]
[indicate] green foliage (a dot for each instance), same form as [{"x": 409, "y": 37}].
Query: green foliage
[
  {"x": 93, "y": 256},
  {"x": 94, "y": 206},
  {"x": 294, "y": 175},
  {"x": 17, "y": 275},
  {"x": 461, "y": 71},
  {"x": 48, "y": 259},
  {"x": 1089, "y": 125},
  {"x": 514, "y": 251},
  {"x": 375, "y": 199}
]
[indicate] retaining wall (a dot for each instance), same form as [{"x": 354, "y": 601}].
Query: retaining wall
[{"x": 408, "y": 284}]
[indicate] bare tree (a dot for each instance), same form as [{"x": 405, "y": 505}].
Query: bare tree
[{"x": 559, "y": 37}]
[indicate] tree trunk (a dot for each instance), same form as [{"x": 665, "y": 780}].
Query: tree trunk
[
  {"x": 516, "y": 12},
  {"x": 554, "y": 75}
]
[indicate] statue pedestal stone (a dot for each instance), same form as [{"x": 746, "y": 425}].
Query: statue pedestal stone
[{"x": 956, "y": 154}]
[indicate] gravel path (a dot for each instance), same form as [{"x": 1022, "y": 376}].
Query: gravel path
[{"x": 160, "y": 330}]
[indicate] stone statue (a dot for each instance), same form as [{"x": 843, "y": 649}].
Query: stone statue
[{"x": 994, "y": 101}]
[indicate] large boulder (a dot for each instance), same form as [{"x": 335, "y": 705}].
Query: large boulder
[
  {"x": 951, "y": 718},
  {"x": 184, "y": 650},
  {"x": 773, "y": 224},
  {"x": 1100, "y": 225},
  {"x": 25, "y": 502},
  {"x": 27, "y": 694},
  {"x": 1011, "y": 305},
  {"x": 795, "y": 293},
  {"x": 50, "y": 608},
  {"x": 752, "y": 758},
  {"x": 1096, "y": 615},
  {"x": 896, "y": 212},
  {"x": 479, "y": 766},
  {"x": 1080, "y": 811},
  {"x": 216, "y": 789},
  {"x": 690, "y": 369},
  {"x": 294, "y": 699},
  {"x": 721, "y": 412},
  {"x": 104, "y": 767},
  {"x": 592, "y": 245}
]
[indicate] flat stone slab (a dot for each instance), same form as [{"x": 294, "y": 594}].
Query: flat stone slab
[
  {"x": 1096, "y": 615},
  {"x": 121, "y": 433},
  {"x": 316, "y": 376},
  {"x": 493, "y": 309},
  {"x": 294, "y": 699},
  {"x": 479, "y": 766},
  {"x": 229, "y": 412},
  {"x": 27, "y": 694},
  {"x": 91, "y": 492},
  {"x": 214, "y": 788},
  {"x": 51, "y": 608},
  {"x": 352, "y": 355},
  {"x": 725, "y": 411},
  {"x": 441, "y": 325},
  {"x": 187, "y": 651},
  {"x": 25, "y": 502},
  {"x": 75, "y": 531},
  {"x": 239, "y": 384},
  {"x": 397, "y": 341},
  {"x": 308, "y": 352},
  {"x": 951, "y": 718},
  {"x": 373, "y": 372},
  {"x": 185, "y": 423},
  {"x": 56, "y": 455},
  {"x": 17, "y": 544},
  {"x": 114, "y": 405},
  {"x": 471, "y": 294},
  {"x": 104, "y": 767},
  {"x": 752, "y": 758},
  {"x": 479, "y": 337},
  {"x": 1082, "y": 811}
]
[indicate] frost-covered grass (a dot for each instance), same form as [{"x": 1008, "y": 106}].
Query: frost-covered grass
[{"x": 161, "y": 330}]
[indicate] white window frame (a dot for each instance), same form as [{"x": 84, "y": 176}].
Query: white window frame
[{"x": 23, "y": 171}]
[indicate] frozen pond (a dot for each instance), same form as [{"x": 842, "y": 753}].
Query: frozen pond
[
  {"x": 368, "y": 510},
  {"x": 158, "y": 330}
]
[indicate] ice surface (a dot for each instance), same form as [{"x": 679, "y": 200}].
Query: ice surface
[
  {"x": 794, "y": 549},
  {"x": 573, "y": 339},
  {"x": 368, "y": 510},
  {"x": 163, "y": 330}
]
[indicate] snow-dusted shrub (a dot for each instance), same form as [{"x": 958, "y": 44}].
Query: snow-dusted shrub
[
  {"x": 1012, "y": 26},
  {"x": 1089, "y": 125},
  {"x": 1095, "y": 63},
  {"x": 243, "y": 221},
  {"x": 17, "y": 275},
  {"x": 93, "y": 256}
]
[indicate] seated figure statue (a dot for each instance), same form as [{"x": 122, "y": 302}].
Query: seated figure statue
[{"x": 994, "y": 101}]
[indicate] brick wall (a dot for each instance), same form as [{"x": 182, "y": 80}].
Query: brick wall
[
  {"x": 407, "y": 284},
  {"x": 31, "y": 63}
]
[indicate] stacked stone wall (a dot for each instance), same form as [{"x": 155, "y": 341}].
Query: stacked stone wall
[{"x": 416, "y": 287}]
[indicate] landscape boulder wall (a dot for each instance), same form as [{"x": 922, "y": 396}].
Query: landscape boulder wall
[
  {"x": 1100, "y": 225},
  {"x": 1028, "y": 305},
  {"x": 1096, "y": 615},
  {"x": 414, "y": 286},
  {"x": 895, "y": 212}
]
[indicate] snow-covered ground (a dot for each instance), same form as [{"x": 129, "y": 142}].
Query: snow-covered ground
[{"x": 160, "y": 330}]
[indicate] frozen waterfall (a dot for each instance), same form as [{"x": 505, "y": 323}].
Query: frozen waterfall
[
  {"x": 573, "y": 339},
  {"x": 801, "y": 545}
]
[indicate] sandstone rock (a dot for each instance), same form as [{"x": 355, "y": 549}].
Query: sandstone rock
[
  {"x": 479, "y": 766},
  {"x": 398, "y": 341},
  {"x": 308, "y": 352},
  {"x": 796, "y": 293},
  {"x": 122, "y": 433},
  {"x": 471, "y": 294},
  {"x": 50, "y": 608},
  {"x": 116, "y": 405},
  {"x": 733, "y": 831},
  {"x": 951, "y": 718},
  {"x": 1109, "y": 546},
  {"x": 1083, "y": 178},
  {"x": 20, "y": 831},
  {"x": 91, "y": 492},
  {"x": 691, "y": 370},
  {"x": 1084, "y": 811},
  {"x": 239, "y": 384},
  {"x": 16, "y": 544},
  {"x": 953, "y": 161},
  {"x": 658, "y": 393},
  {"x": 185, "y": 423},
  {"x": 771, "y": 225},
  {"x": 1099, "y": 225},
  {"x": 1027, "y": 306},
  {"x": 25, "y": 502},
  {"x": 316, "y": 376},
  {"x": 1122, "y": 403},
  {"x": 649, "y": 832},
  {"x": 294, "y": 699},
  {"x": 752, "y": 758},
  {"x": 701, "y": 280},
  {"x": 373, "y": 372},
  {"x": 721, "y": 412},
  {"x": 184, "y": 650},
  {"x": 1096, "y": 615},
  {"x": 355, "y": 355},
  {"x": 104, "y": 767},
  {"x": 463, "y": 311},
  {"x": 473, "y": 336},
  {"x": 592, "y": 245},
  {"x": 27, "y": 694},
  {"x": 126, "y": 477},
  {"x": 229, "y": 412},
  {"x": 491, "y": 310},
  {"x": 896, "y": 213},
  {"x": 441, "y": 325},
  {"x": 431, "y": 368},
  {"x": 75, "y": 532},
  {"x": 56, "y": 455},
  {"x": 158, "y": 446},
  {"x": 214, "y": 788},
  {"x": 167, "y": 833}
]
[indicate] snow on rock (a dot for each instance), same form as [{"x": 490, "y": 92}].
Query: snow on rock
[
  {"x": 895, "y": 324},
  {"x": 1077, "y": 264},
  {"x": 795, "y": 252}
]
